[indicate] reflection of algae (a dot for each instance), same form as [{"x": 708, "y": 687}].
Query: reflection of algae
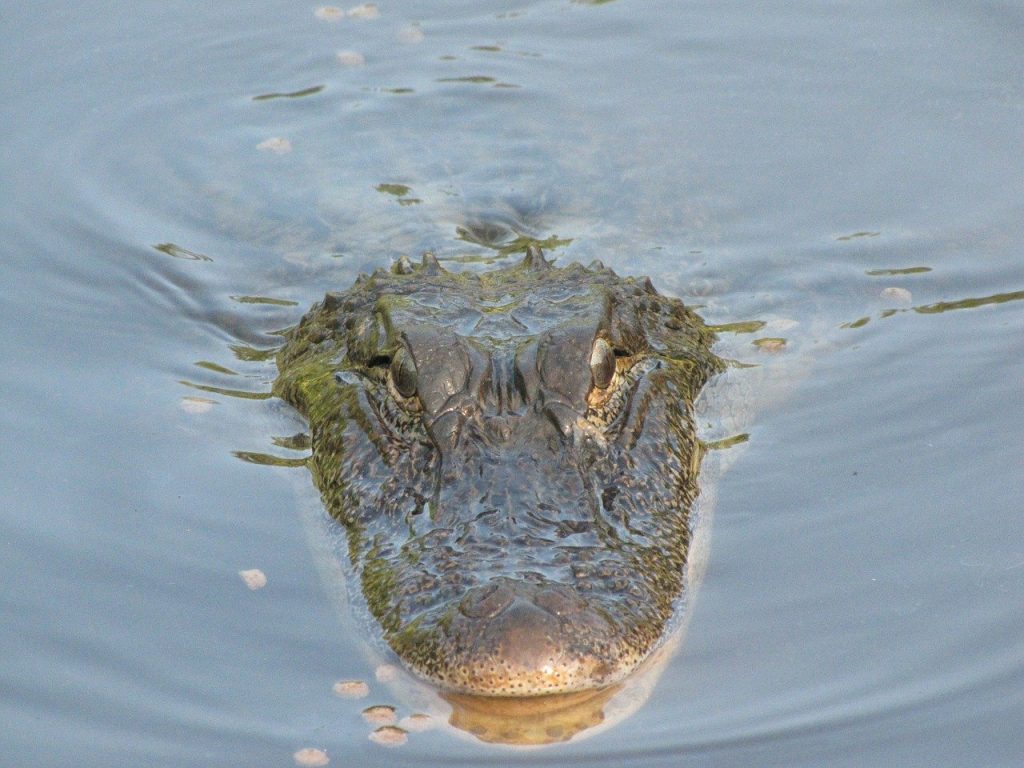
[
  {"x": 745, "y": 326},
  {"x": 467, "y": 79},
  {"x": 476, "y": 258},
  {"x": 478, "y": 80},
  {"x": 267, "y": 460},
  {"x": 517, "y": 245},
  {"x": 400, "y": 191},
  {"x": 241, "y": 394},
  {"x": 252, "y": 354},
  {"x": 299, "y": 442},
  {"x": 215, "y": 367},
  {"x": 860, "y": 322},
  {"x": 726, "y": 442},
  {"x": 180, "y": 253},
  {"x": 900, "y": 271},
  {"x": 770, "y": 342},
  {"x": 858, "y": 234},
  {"x": 293, "y": 95},
  {"x": 948, "y": 306},
  {"x": 943, "y": 306},
  {"x": 264, "y": 300}
]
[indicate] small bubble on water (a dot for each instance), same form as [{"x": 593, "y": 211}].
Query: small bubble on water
[
  {"x": 277, "y": 145},
  {"x": 410, "y": 34},
  {"x": 254, "y": 578},
  {"x": 385, "y": 673},
  {"x": 196, "y": 404},
  {"x": 897, "y": 295},
  {"x": 350, "y": 58},
  {"x": 329, "y": 13},
  {"x": 310, "y": 757},
  {"x": 364, "y": 11},
  {"x": 351, "y": 689},
  {"x": 781, "y": 324}
]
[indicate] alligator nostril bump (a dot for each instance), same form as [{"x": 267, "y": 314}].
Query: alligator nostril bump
[{"x": 486, "y": 602}]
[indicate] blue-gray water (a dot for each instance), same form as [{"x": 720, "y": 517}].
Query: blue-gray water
[{"x": 863, "y": 603}]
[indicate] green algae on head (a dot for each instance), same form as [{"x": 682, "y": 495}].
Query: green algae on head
[{"x": 513, "y": 456}]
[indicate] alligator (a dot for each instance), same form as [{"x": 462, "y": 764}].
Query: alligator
[{"x": 513, "y": 456}]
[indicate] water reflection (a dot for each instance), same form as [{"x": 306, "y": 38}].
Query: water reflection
[{"x": 530, "y": 721}]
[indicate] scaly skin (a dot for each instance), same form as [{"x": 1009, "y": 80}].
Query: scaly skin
[{"x": 514, "y": 458}]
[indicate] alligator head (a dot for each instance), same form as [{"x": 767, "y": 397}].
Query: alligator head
[{"x": 514, "y": 458}]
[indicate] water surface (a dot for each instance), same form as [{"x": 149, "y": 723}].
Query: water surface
[{"x": 181, "y": 182}]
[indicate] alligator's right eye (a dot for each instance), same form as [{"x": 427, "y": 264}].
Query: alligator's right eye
[
  {"x": 403, "y": 373},
  {"x": 602, "y": 364}
]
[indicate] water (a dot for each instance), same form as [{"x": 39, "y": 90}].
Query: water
[{"x": 862, "y": 602}]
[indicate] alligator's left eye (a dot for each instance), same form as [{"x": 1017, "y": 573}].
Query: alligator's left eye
[
  {"x": 403, "y": 381},
  {"x": 403, "y": 374}
]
